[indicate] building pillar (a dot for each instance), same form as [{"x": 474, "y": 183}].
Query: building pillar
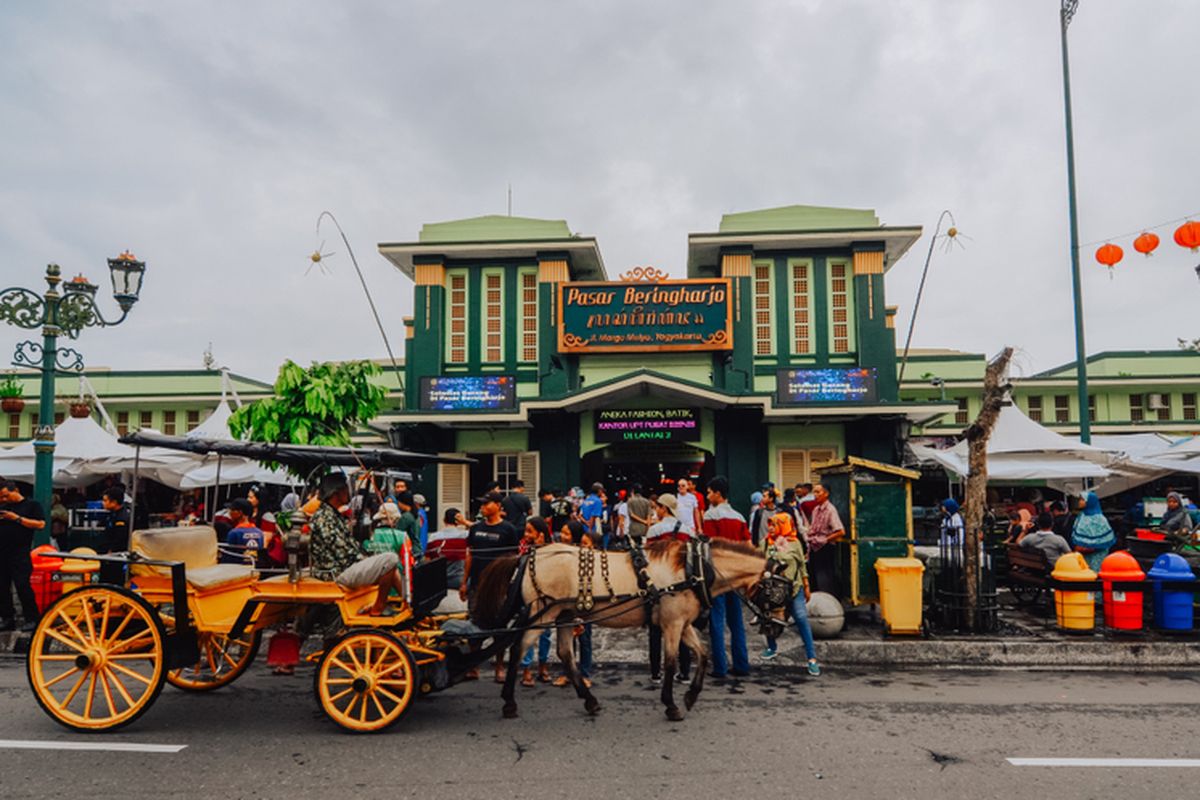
[
  {"x": 425, "y": 345},
  {"x": 876, "y": 344},
  {"x": 733, "y": 370},
  {"x": 557, "y": 374}
]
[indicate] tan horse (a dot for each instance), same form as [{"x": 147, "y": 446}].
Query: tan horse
[{"x": 550, "y": 591}]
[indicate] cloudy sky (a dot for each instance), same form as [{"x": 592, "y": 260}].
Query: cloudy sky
[{"x": 209, "y": 136}]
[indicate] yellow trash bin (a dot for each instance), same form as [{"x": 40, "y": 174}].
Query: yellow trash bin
[
  {"x": 900, "y": 593},
  {"x": 1076, "y": 611}
]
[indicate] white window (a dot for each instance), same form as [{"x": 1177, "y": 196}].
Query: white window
[
  {"x": 764, "y": 341},
  {"x": 456, "y": 316},
  {"x": 493, "y": 315},
  {"x": 802, "y": 338},
  {"x": 529, "y": 314},
  {"x": 169, "y": 423},
  {"x": 841, "y": 301},
  {"x": 504, "y": 470}
]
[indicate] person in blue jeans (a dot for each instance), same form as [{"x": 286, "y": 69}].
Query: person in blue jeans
[
  {"x": 722, "y": 522},
  {"x": 782, "y": 545},
  {"x": 543, "y": 659}
]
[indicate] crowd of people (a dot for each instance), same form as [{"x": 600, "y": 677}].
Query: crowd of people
[
  {"x": 360, "y": 535},
  {"x": 1054, "y": 529}
]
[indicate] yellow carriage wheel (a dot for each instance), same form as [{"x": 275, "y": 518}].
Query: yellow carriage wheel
[
  {"x": 222, "y": 660},
  {"x": 97, "y": 661},
  {"x": 366, "y": 681}
]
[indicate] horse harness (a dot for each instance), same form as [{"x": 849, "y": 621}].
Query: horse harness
[{"x": 698, "y": 577}]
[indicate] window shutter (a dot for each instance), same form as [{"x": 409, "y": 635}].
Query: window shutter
[
  {"x": 793, "y": 468},
  {"x": 452, "y": 487},
  {"x": 818, "y": 457},
  {"x": 529, "y": 470}
]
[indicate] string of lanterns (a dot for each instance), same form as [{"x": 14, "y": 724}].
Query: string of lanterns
[{"x": 1186, "y": 235}]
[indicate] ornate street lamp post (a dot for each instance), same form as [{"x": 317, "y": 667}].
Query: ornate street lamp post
[{"x": 58, "y": 314}]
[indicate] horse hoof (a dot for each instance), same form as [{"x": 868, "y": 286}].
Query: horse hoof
[
  {"x": 674, "y": 714},
  {"x": 592, "y": 706},
  {"x": 689, "y": 700},
  {"x": 510, "y": 711}
]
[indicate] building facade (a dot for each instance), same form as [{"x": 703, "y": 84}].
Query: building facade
[
  {"x": 775, "y": 354},
  {"x": 1130, "y": 391}
]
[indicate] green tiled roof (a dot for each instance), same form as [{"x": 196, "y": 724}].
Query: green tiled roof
[
  {"x": 799, "y": 218},
  {"x": 494, "y": 228}
]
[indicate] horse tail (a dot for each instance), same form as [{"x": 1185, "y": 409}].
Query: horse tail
[{"x": 491, "y": 594}]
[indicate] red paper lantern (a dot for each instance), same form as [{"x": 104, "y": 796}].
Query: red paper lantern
[
  {"x": 1109, "y": 255},
  {"x": 1188, "y": 235},
  {"x": 1146, "y": 244}
]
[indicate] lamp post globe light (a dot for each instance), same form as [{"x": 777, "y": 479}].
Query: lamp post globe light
[{"x": 62, "y": 313}]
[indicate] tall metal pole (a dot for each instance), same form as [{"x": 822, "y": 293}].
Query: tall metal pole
[
  {"x": 43, "y": 437},
  {"x": 1067, "y": 12}
]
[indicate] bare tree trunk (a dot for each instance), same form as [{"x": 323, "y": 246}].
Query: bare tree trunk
[{"x": 995, "y": 381}]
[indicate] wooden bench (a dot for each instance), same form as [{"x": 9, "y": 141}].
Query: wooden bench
[{"x": 1028, "y": 574}]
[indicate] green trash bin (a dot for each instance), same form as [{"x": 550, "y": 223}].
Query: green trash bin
[{"x": 900, "y": 594}]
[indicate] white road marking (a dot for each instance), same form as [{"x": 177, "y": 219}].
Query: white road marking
[
  {"x": 1104, "y": 762},
  {"x": 120, "y": 747}
]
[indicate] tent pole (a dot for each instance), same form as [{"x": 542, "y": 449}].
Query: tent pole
[
  {"x": 133, "y": 493},
  {"x": 217, "y": 488}
]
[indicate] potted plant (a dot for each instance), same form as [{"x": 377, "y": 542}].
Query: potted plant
[
  {"x": 79, "y": 408},
  {"x": 12, "y": 399}
]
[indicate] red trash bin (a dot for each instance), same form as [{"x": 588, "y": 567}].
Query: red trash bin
[
  {"x": 1122, "y": 609},
  {"x": 45, "y": 570}
]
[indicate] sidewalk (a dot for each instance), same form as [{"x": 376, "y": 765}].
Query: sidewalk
[{"x": 1029, "y": 641}]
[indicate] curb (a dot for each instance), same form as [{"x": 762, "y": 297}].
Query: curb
[{"x": 982, "y": 653}]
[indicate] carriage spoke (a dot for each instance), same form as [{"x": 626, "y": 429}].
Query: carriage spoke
[
  {"x": 87, "y": 619},
  {"x": 128, "y": 643},
  {"x": 343, "y": 665},
  {"x": 366, "y": 654},
  {"x": 61, "y": 677},
  {"x": 74, "y": 690},
  {"x": 104, "y": 618},
  {"x": 389, "y": 695},
  {"x": 74, "y": 629},
  {"x": 132, "y": 656},
  {"x": 208, "y": 654},
  {"x": 112, "y": 637},
  {"x": 338, "y": 681},
  {"x": 362, "y": 710},
  {"x": 91, "y": 695},
  {"x": 76, "y": 646},
  {"x": 112, "y": 676},
  {"x": 382, "y": 714},
  {"x": 127, "y": 671},
  {"x": 108, "y": 698},
  {"x": 57, "y": 657},
  {"x": 354, "y": 659},
  {"x": 341, "y": 694},
  {"x": 354, "y": 698}
]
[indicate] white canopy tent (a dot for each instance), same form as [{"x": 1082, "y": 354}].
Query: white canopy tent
[{"x": 83, "y": 453}]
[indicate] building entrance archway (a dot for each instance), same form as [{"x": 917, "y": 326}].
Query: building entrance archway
[{"x": 657, "y": 466}]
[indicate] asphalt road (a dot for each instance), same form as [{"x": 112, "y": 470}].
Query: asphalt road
[{"x": 845, "y": 734}]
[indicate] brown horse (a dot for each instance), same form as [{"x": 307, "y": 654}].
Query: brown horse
[{"x": 551, "y": 589}]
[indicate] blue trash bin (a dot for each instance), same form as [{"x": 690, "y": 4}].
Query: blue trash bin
[{"x": 1172, "y": 608}]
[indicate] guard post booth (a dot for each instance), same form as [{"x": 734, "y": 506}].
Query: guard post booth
[
  {"x": 774, "y": 354},
  {"x": 875, "y": 503}
]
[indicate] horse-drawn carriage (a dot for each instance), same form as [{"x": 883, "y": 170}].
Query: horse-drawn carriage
[{"x": 169, "y": 611}]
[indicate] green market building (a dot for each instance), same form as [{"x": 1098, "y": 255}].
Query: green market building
[{"x": 774, "y": 355}]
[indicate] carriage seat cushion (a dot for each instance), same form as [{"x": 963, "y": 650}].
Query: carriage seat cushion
[
  {"x": 195, "y": 546},
  {"x": 219, "y": 575}
]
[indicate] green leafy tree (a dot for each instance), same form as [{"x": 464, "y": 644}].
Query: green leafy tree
[{"x": 321, "y": 405}]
